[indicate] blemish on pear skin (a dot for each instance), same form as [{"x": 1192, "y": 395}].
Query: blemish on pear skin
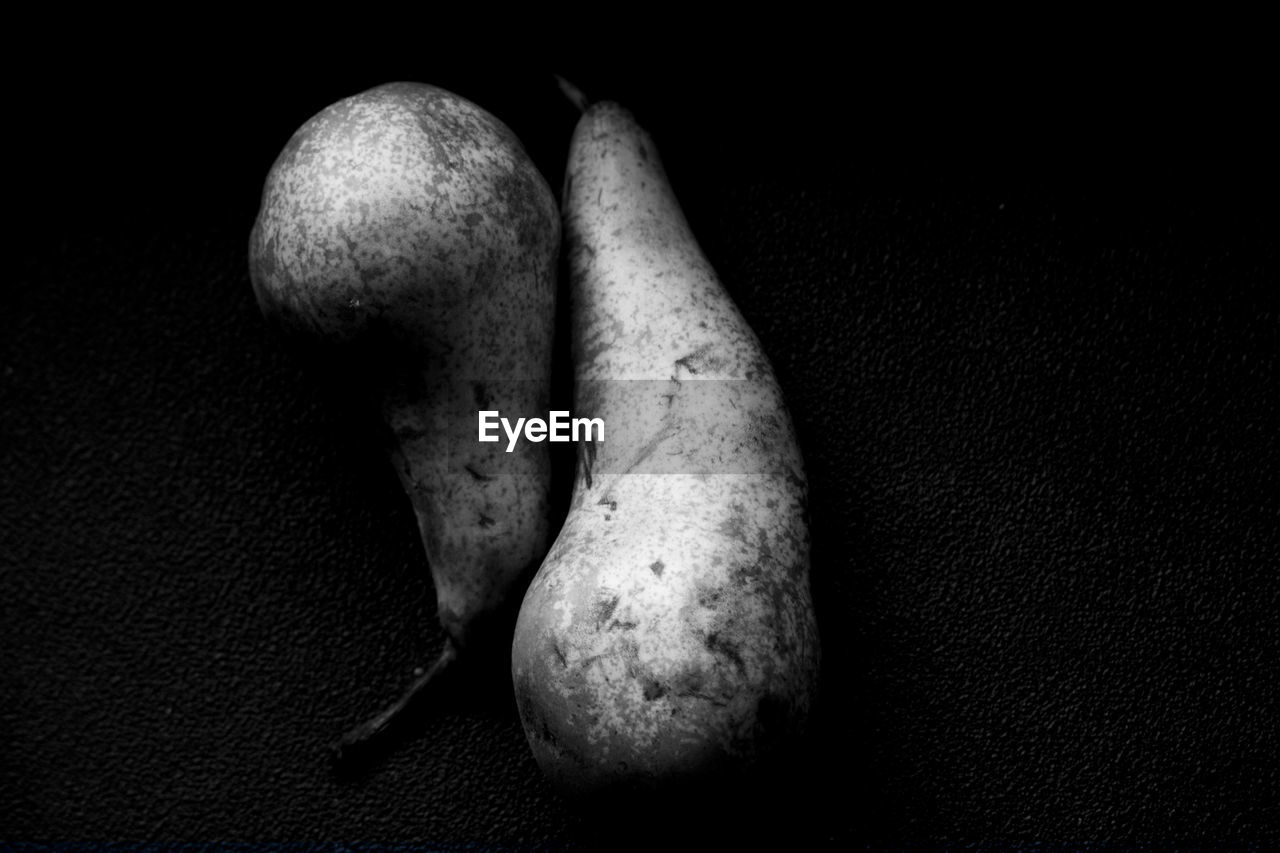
[
  {"x": 747, "y": 575},
  {"x": 587, "y": 457},
  {"x": 721, "y": 647},
  {"x": 476, "y": 474},
  {"x": 630, "y": 652},
  {"x": 690, "y": 682},
  {"x": 657, "y": 567},
  {"x": 685, "y": 363},
  {"x": 605, "y": 608},
  {"x": 653, "y": 690},
  {"x": 734, "y": 526},
  {"x": 486, "y": 521}
]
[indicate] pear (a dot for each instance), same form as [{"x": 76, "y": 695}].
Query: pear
[
  {"x": 669, "y": 636},
  {"x": 405, "y": 233}
]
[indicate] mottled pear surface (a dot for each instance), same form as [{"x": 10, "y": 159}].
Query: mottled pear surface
[
  {"x": 406, "y": 228},
  {"x": 669, "y": 634}
]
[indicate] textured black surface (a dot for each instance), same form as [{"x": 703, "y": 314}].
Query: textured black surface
[{"x": 1030, "y": 335}]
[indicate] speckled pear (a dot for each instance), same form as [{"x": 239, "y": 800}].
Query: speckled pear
[
  {"x": 669, "y": 635},
  {"x": 406, "y": 229}
]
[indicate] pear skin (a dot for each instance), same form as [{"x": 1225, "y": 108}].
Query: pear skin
[
  {"x": 406, "y": 232},
  {"x": 669, "y": 636}
]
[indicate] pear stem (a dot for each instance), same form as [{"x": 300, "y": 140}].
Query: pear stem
[
  {"x": 358, "y": 740},
  {"x": 573, "y": 93}
]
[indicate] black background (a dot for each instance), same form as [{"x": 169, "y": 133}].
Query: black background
[{"x": 1021, "y": 295}]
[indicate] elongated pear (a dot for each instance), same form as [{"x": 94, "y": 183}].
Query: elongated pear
[
  {"x": 669, "y": 635},
  {"x": 406, "y": 231}
]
